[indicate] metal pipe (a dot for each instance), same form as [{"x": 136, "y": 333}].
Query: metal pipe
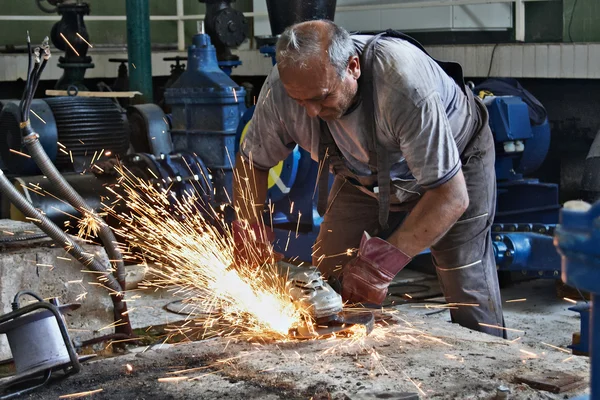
[
  {"x": 74, "y": 249},
  {"x": 53, "y": 231},
  {"x": 520, "y": 20},
  {"x": 138, "y": 48},
  {"x": 180, "y": 26},
  {"x": 66, "y": 192}
]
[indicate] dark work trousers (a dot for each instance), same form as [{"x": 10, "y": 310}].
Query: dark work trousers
[{"x": 463, "y": 257}]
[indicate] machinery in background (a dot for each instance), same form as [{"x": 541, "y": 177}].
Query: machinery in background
[
  {"x": 87, "y": 129},
  {"x": 227, "y": 28},
  {"x": 526, "y": 209},
  {"x": 71, "y": 36},
  {"x": 206, "y": 109},
  {"x": 522, "y": 136},
  {"x": 577, "y": 237}
]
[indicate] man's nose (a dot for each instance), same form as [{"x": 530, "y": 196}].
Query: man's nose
[{"x": 312, "y": 109}]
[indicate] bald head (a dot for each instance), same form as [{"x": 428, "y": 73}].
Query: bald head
[{"x": 311, "y": 43}]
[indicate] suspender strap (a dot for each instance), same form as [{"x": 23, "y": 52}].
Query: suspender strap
[
  {"x": 323, "y": 181},
  {"x": 376, "y": 149}
]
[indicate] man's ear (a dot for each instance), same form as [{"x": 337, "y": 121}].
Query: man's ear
[{"x": 354, "y": 67}]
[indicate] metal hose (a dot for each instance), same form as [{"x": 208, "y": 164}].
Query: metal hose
[
  {"x": 70, "y": 246},
  {"x": 60, "y": 237},
  {"x": 66, "y": 192}
]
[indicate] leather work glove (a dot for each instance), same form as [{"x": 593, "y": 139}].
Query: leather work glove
[
  {"x": 253, "y": 244},
  {"x": 366, "y": 278}
]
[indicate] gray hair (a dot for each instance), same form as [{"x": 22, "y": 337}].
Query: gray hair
[{"x": 300, "y": 43}]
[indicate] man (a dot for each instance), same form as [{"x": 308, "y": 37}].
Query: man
[{"x": 412, "y": 154}]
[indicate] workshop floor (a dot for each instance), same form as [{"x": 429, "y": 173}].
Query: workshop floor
[{"x": 415, "y": 353}]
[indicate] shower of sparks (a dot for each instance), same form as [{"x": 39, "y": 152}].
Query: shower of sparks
[
  {"x": 85, "y": 41},
  {"x": 193, "y": 249},
  {"x": 88, "y": 225},
  {"x": 69, "y": 43}
]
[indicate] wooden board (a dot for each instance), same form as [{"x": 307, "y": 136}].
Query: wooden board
[
  {"x": 82, "y": 93},
  {"x": 554, "y": 382}
]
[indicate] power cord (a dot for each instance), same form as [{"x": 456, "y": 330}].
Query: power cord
[{"x": 571, "y": 20}]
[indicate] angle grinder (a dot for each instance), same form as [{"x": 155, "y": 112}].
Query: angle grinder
[{"x": 321, "y": 306}]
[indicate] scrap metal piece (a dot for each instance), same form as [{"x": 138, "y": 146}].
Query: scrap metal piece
[
  {"x": 346, "y": 322},
  {"x": 554, "y": 382}
]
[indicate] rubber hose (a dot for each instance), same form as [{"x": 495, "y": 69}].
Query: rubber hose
[
  {"x": 66, "y": 192},
  {"x": 60, "y": 237},
  {"x": 71, "y": 247}
]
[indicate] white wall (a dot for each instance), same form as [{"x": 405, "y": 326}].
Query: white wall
[{"x": 474, "y": 17}]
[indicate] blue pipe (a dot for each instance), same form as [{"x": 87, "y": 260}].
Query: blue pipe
[{"x": 526, "y": 251}]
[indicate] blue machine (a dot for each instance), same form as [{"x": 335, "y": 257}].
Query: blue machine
[
  {"x": 207, "y": 106},
  {"x": 526, "y": 209},
  {"x": 521, "y": 147},
  {"x": 577, "y": 237}
]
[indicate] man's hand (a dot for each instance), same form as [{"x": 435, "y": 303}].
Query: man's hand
[
  {"x": 366, "y": 278},
  {"x": 253, "y": 244}
]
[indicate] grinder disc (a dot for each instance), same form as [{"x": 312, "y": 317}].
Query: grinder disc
[{"x": 346, "y": 321}]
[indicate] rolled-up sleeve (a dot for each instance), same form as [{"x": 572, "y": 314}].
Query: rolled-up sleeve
[
  {"x": 266, "y": 141},
  {"x": 427, "y": 143}
]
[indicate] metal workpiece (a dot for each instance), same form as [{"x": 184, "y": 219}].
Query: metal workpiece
[
  {"x": 321, "y": 306},
  {"x": 139, "y": 52},
  {"x": 577, "y": 237}
]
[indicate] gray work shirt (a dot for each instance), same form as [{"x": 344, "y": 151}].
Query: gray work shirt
[{"x": 423, "y": 119}]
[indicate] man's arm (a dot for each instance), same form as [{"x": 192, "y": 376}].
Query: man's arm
[
  {"x": 249, "y": 190},
  {"x": 432, "y": 217}
]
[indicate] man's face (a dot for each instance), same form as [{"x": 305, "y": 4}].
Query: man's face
[{"x": 320, "y": 90}]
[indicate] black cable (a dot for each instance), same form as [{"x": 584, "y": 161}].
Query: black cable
[
  {"x": 492, "y": 60},
  {"x": 571, "y": 20},
  {"x": 28, "y": 81},
  {"x": 15, "y": 303},
  {"x": 36, "y": 81}
]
